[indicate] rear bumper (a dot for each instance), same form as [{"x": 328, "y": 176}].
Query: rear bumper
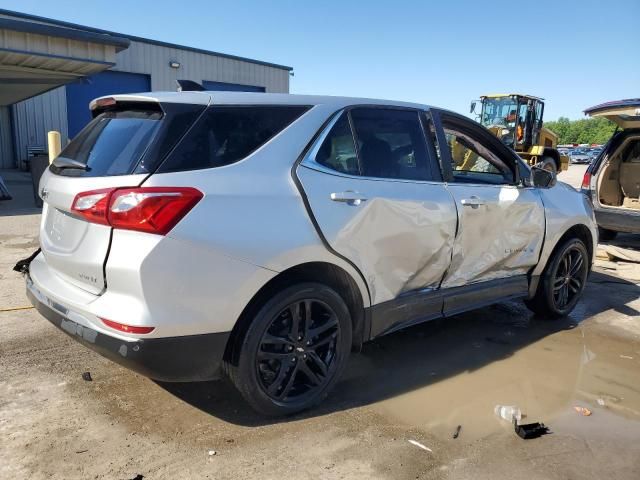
[{"x": 169, "y": 359}]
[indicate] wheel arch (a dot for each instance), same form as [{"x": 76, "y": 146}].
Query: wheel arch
[
  {"x": 579, "y": 231},
  {"x": 326, "y": 273}
]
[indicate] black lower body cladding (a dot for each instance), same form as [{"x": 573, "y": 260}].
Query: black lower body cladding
[{"x": 171, "y": 359}]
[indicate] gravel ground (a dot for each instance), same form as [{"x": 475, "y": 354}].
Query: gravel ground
[
  {"x": 419, "y": 384},
  {"x": 573, "y": 176}
]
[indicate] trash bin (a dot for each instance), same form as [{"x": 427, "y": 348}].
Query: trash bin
[{"x": 37, "y": 165}]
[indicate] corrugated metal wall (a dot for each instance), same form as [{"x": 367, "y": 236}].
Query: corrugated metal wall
[
  {"x": 50, "y": 45},
  {"x": 33, "y": 118},
  {"x": 6, "y": 147},
  {"x": 154, "y": 60}
]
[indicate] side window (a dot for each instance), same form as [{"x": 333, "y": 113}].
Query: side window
[
  {"x": 338, "y": 151},
  {"x": 391, "y": 143},
  {"x": 472, "y": 159},
  {"x": 228, "y": 134}
]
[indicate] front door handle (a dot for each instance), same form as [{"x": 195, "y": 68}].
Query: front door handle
[
  {"x": 473, "y": 202},
  {"x": 349, "y": 197}
]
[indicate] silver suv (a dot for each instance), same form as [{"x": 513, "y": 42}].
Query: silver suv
[{"x": 266, "y": 236}]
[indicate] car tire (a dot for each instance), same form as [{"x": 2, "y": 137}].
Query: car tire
[
  {"x": 563, "y": 280},
  {"x": 548, "y": 164},
  {"x": 285, "y": 367},
  {"x": 606, "y": 235}
]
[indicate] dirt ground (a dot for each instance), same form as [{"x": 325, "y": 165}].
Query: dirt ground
[{"x": 418, "y": 384}]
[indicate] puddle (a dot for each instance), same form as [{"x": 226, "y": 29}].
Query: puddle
[{"x": 544, "y": 368}]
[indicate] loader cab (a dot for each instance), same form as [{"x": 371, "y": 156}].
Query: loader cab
[{"x": 515, "y": 119}]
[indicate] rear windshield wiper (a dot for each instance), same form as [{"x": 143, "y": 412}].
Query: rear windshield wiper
[{"x": 62, "y": 162}]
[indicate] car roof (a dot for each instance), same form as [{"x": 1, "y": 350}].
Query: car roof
[
  {"x": 501, "y": 95},
  {"x": 251, "y": 98}
]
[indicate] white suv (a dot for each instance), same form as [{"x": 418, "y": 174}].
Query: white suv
[{"x": 185, "y": 234}]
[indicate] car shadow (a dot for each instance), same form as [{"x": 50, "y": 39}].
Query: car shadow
[{"x": 424, "y": 354}]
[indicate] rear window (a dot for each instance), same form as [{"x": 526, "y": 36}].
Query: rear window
[
  {"x": 112, "y": 143},
  {"x": 225, "y": 135}
]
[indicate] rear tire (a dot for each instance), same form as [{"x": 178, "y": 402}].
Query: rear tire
[
  {"x": 563, "y": 281},
  {"x": 294, "y": 350},
  {"x": 606, "y": 235},
  {"x": 548, "y": 164}
]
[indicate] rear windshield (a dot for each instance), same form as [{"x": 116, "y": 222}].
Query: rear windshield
[
  {"x": 225, "y": 135},
  {"x": 112, "y": 143}
]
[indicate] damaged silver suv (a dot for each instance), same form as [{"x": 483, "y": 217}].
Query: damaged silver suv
[{"x": 266, "y": 236}]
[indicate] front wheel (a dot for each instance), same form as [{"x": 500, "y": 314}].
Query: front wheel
[
  {"x": 548, "y": 164},
  {"x": 294, "y": 350},
  {"x": 563, "y": 280}
]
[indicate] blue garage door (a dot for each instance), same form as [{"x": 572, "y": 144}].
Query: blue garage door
[
  {"x": 79, "y": 94},
  {"x": 230, "y": 87}
]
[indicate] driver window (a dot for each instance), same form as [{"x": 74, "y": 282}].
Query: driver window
[{"x": 472, "y": 160}]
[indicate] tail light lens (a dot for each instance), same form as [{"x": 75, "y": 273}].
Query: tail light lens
[
  {"x": 145, "y": 209},
  {"x": 93, "y": 205},
  {"x": 586, "y": 180},
  {"x": 121, "y": 327}
]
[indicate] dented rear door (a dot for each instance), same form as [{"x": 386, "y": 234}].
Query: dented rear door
[{"x": 398, "y": 232}]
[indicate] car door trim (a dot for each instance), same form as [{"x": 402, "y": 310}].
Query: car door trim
[
  {"x": 314, "y": 221},
  {"x": 309, "y": 161},
  {"x": 501, "y": 150},
  {"x": 420, "y": 306}
]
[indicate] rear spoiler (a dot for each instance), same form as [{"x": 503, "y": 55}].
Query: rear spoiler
[{"x": 104, "y": 104}]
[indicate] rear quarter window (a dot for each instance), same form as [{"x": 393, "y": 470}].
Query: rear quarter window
[{"x": 226, "y": 134}]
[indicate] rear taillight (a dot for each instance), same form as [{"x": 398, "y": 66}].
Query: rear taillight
[
  {"x": 586, "y": 180},
  {"x": 152, "y": 210},
  {"x": 127, "y": 328},
  {"x": 93, "y": 205},
  {"x": 145, "y": 209}
]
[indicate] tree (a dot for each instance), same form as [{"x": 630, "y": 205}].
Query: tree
[{"x": 590, "y": 130}]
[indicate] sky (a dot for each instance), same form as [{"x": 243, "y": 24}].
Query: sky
[{"x": 575, "y": 54}]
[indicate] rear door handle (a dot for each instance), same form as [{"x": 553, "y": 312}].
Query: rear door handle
[
  {"x": 473, "y": 202},
  {"x": 350, "y": 197}
]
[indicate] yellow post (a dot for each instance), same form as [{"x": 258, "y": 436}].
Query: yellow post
[{"x": 53, "y": 142}]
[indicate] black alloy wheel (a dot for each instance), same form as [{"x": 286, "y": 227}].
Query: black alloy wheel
[
  {"x": 562, "y": 281},
  {"x": 297, "y": 352},
  {"x": 570, "y": 275},
  {"x": 293, "y": 350}
]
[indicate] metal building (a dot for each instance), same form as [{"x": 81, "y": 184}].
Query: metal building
[{"x": 73, "y": 64}]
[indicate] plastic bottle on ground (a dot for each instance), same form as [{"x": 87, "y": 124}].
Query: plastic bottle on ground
[{"x": 508, "y": 412}]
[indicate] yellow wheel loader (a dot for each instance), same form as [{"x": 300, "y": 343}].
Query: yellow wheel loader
[{"x": 517, "y": 120}]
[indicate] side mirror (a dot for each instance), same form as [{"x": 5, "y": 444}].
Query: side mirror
[
  {"x": 542, "y": 178},
  {"x": 472, "y": 109}
]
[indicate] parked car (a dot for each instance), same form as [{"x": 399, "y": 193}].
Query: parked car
[
  {"x": 613, "y": 180},
  {"x": 579, "y": 157},
  {"x": 266, "y": 235},
  {"x": 593, "y": 154}
]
